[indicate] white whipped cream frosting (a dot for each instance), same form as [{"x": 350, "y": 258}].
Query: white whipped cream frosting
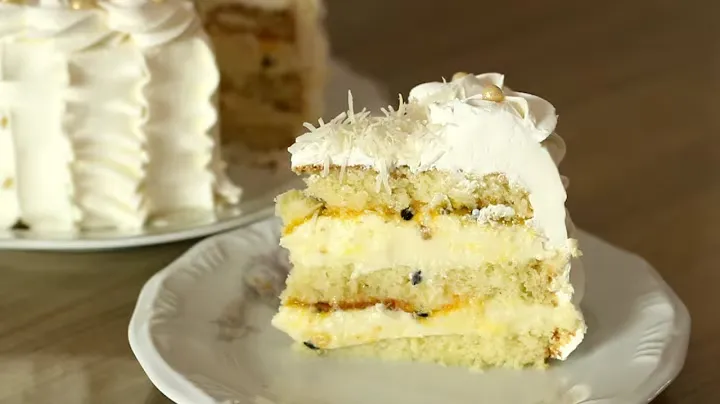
[
  {"x": 148, "y": 23},
  {"x": 109, "y": 115},
  {"x": 449, "y": 126}
]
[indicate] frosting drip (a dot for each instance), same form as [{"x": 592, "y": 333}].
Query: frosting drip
[{"x": 452, "y": 126}]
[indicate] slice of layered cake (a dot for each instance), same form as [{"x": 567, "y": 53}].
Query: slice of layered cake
[
  {"x": 272, "y": 57},
  {"x": 435, "y": 232}
]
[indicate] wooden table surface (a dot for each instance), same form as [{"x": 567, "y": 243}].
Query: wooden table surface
[{"x": 635, "y": 86}]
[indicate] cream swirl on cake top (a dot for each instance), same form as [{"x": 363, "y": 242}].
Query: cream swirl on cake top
[
  {"x": 79, "y": 24},
  {"x": 463, "y": 126},
  {"x": 150, "y": 23},
  {"x": 72, "y": 30},
  {"x": 533, "y": 112}
]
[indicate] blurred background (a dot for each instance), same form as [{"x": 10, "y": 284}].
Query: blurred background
[{"x": 635, "y": 85}]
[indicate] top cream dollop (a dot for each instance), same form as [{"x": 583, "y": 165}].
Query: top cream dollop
[
  {"x": 535, "y": 113},
  {"x": 461, "y": 125}
]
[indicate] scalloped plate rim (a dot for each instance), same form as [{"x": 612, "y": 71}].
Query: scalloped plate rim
[
  {"x": 677, "y": 346},
  {"x": 179, "y": 389}
]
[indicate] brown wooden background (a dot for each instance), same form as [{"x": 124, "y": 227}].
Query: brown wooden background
[{"x": 636, "y": 87}]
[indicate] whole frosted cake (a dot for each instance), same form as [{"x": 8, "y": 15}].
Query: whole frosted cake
[
  {"x": 272, "y": 56},
  {"x": 435, "y": 232},
  {"x": 107, "y": 115}
]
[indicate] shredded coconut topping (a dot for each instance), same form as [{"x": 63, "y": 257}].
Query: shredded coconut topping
[
  {"x": 384, "y": 138},
  {"x": 492, "y": 213}
]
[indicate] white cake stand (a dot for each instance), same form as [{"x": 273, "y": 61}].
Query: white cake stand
[{"x": 260, "y": 186}]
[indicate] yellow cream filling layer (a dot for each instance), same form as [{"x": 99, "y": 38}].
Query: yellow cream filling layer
[
  {"x": 370, "y": 242},
  {"x": 339, "y": 329}
]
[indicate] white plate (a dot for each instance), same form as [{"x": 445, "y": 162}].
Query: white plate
[
  {"x": 201, "y": 331},
  {"x": 259, "y": 185}
]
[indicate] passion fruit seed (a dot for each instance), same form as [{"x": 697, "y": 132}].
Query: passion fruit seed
[
  {"x": 407, "y": 214},
  {"x": 310, "y": 345},
  {"x": 416, "y": 277}
]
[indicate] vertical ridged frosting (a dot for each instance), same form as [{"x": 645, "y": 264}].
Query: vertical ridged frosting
[{"x": 128, "y": 88}]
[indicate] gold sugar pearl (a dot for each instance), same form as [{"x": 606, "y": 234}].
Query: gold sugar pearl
[
  {"x": 8, "y": 183},
  {"x": 83, "y": 4},
  {"x": 492, "y": 93},
  {"x": 459, "y": 75}
]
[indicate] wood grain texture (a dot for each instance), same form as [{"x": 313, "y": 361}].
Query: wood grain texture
[{"x": 635, "y": 85}]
